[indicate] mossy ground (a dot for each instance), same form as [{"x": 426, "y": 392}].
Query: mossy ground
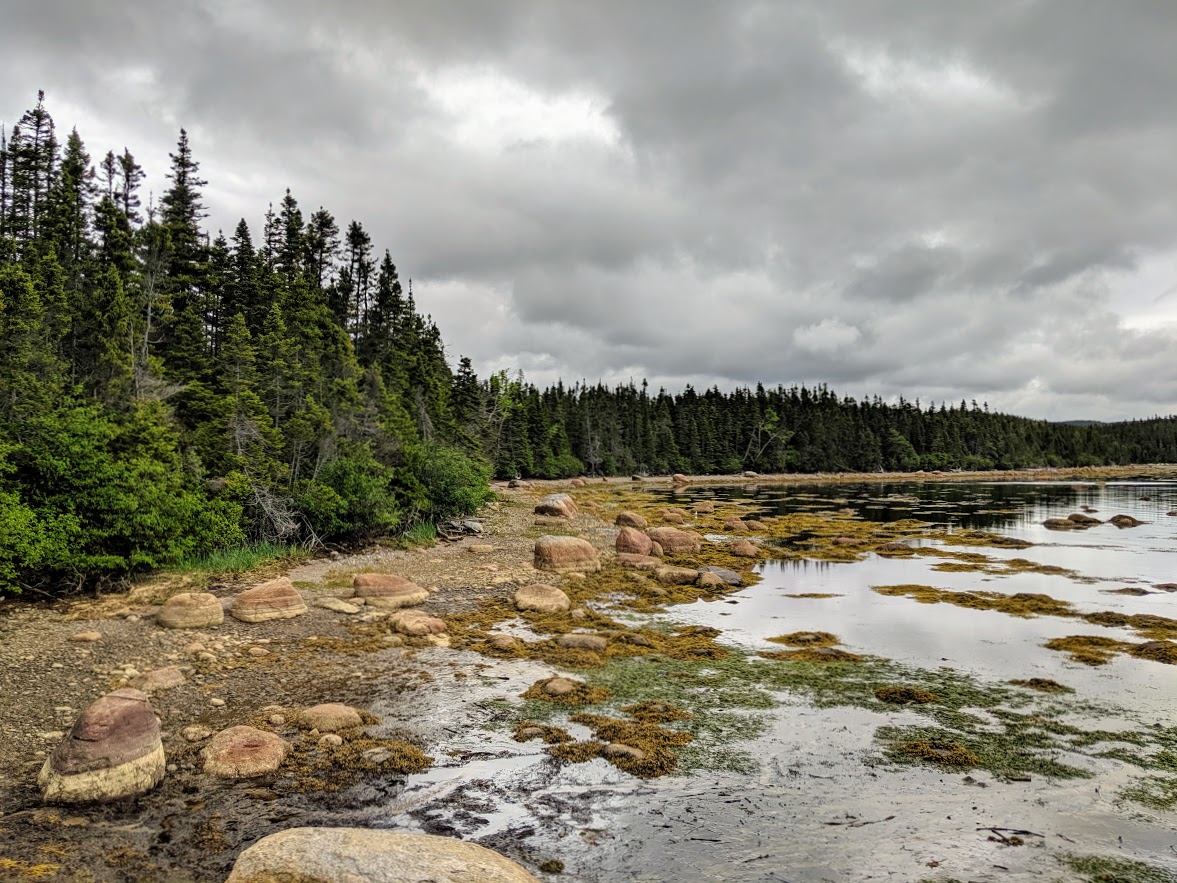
[{"x": 1108, "y": 869}]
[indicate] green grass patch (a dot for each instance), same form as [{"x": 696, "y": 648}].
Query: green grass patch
[{"x": 241, "y": 559}]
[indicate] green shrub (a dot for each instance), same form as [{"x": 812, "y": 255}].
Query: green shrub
[{"x": 456, "y": 483}]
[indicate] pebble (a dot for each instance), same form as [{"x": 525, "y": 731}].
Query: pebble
[
  {"x": 86, "y": 637},
  {"x": 258, "y": 652},
  {"x": 216, "y": 703},
  {"x": 277, "y": 720},
  {"x": 196, "y": 733},
  {"x": 330, "y": 741}
]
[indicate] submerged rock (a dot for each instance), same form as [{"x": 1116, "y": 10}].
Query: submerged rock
[
  {"x": 542, "y": 599},
  {"x": 564, "y": 554},
  {"x": 1124, "y": 521},
  {"x": 113, "y": 751},
  {"x": 276, "y": 599},
  {"x": 191, "y": 610},
  {"x": 363, "y": 855}
]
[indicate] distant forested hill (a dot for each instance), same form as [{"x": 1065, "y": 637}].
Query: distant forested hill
[{"x": 167, "y": 391}]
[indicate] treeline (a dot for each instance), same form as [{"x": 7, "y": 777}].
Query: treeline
[
  {"x": 165, "y": 393},
  {"x": 558, "y": 431}
]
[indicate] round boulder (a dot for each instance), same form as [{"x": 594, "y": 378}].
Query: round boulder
[
  {"x": 113, "y": 751},
  {"x": 367, "y": 855},
  {"x": 638, "y": 562},
  {"x": 243, "y": 753},
  {"x": 566, "y": 554},
  {"x": 728, "y": 576},
  {"x": 676, "y": 542},
  {"x": 679, "y": 478},
  {"x": 191, "y": 610},
  {"x": 388, "y": 591},
  {"x": 581, "y": 641},
  {"x": 542, "y": 599},
  {"x": 276, "y": 599},
  {"x": 633, "y": 541}
]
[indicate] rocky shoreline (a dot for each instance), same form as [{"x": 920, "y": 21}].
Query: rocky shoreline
[{"x": 314, "y": 643}]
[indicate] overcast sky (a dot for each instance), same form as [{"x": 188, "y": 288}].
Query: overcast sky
[{"x": 944, "y": 200}]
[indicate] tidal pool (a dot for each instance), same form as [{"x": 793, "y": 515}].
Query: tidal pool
[{"x": 824, "y": 789}]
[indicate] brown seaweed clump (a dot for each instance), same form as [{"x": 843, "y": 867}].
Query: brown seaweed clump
[
  {"x": 1023, "y": 604},
  {"x": 814, "y": 595},
  {"x": 902, "y": 695},
  {"x": 941, "y": 751},
  {"x": 316, "y": 769},
  {"x": 1158, "y": 651},
  {"x": 1088, "y": 649},
  {"x": 654, "y": 744},
  {"x": 1042, "y": 685},
  {"x": 564, "y": 691},
  {"x": 812, "y": 654},
  {"x": 807, "y": 639},
  {"x": 656, "y": 712},
  {"x": 576, "y": 752}
]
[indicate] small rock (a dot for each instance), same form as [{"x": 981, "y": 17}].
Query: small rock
[
  {"x": 503, "y": 642},
  {"x": 578, "y": 641},
  {"x": 579, "y": 614},
  {"x": 481, "y": 549},
  {"x": 86, "y": 637},
  {"x": 676, "y": 576},
  {"x": 277, "y": 720},
  {"x": 631, "y": 519},
  {"x": 330, "y": 741},
  {"x": 244, "y": 752},
  {"x": 619, "y": 750},
  {"x": 217, "y": 703},
  {"x": 258, "y": 652},
  {"x": 542, "y": 599},
  {"x": 331, "y": 717},
  {"x": 388, "y": 591},
  {"x": 338, "y": 605},
  {"x": 559, "y": 686},
  {"x": 414, "y": 623},
  {"x": 196, "y": 733},
  {"x": 728, "y": 576},
  {"x": 160, "y": 679}
]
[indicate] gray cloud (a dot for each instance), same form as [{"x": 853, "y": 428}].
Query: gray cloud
[{"x": 933, "y": 200}]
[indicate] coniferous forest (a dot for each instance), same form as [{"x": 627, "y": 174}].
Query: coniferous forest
[{"x": 167, "y": 391}]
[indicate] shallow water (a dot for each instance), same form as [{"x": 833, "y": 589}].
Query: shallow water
[{"x": 820, "y": 807}]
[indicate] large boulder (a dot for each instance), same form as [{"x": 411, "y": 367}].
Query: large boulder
[
  {"x": 679, "y": 478},
  {"x": 366, "y": 855},
  {"x": 565, "y": 555},
  {"x": 631, "y": 519},
  {"x": 676, "y": 542},
  {"x": 542, "y": 599},
  {"x": 1124, "y": 521},
  {"x": 244, "y": 753},
  {"x": 191, "y": 610},
  {"x": 633, "y": 541},
  {"x": 556, "y": 505},
  {"x": 276, "y": 599},
  {"x": 387, "y": 590},
  {"x": 113, "y": 751},
  {"x": 734, "y": 525}
]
